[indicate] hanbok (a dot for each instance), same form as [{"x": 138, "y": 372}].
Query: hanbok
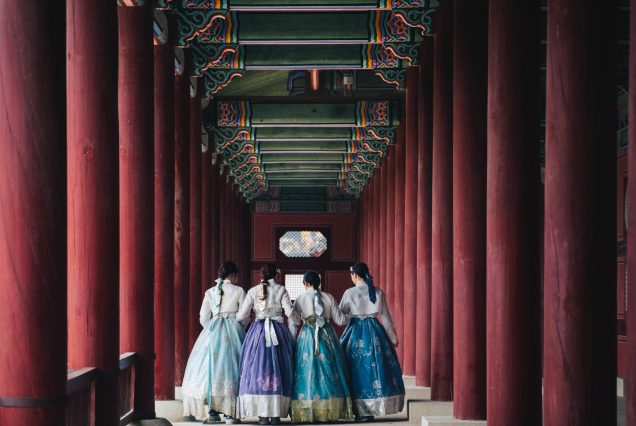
[
  {"x": 266, "y": 366},
  {"x": 212, "y": 373},
  {"x": 377, "y": 387},
  {"x": 321, "y": 388}
]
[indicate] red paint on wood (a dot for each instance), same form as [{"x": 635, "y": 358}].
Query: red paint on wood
[
  {"x": 182, "y": 223},
  {"x": 382, "y": 224},
  {"x": 469, "y": 212},
  {"x": 215, "y": 204},
  {"x": 398, "y": 242},
  {"x": 375, "y": 229},
  {"x": 442, "y": 210},
  {"x": 424, "y": 191},
  {"x": 92, "y": 185},
  {"x": 389, "y": 274},
  {"x": 32, "y": 209},
  {"x": 206, "y": 222},
  {"x": 164, "y": 155},
  {"x": 136, "y": 197},
  {"x": 195, "y": 297},
  {"x": 410, "y": 230},
  {"x": 512, "y": 245},
  {"x": 580, "y": 217}
]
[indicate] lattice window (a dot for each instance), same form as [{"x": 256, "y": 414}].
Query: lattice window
[
  {"x": 294, "y": 285},
  {"x": 303, "y": 244}
]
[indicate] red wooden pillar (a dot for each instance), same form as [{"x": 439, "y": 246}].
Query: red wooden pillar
[
  {"x": 382, "y": 222},
  {"x": 222, "y": 208},
  {"x": 389, "y": 275},
  {"x": 580, "y": 215},
  {"x": 398, "y": 242},
  {"x": 195, "y": 213},
  {"x": 182, "y": 220},
  {"x": 33, "y": 213},
  {"x": 363, "y": 224},
  {"x": 424, "y": 189},
  {"x": 631, "y": 236},
  {"x": 469, "y": 212},
  {"x": 136, "y": 201},
  {"x": 512, "y": 244},
  {"x": 164, "y": 221},
  {"x": 442, "y": 210},
  {"x": 206, "y": 222},
  {"x": 93, "y": 225},
  {"x": 374, "y": 213},
  {"x": 214, "y": 217},
  {"x": 410, "y": 231}
]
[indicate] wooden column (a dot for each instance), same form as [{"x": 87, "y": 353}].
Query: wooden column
[
  {"x": 580, "y": 215},
  {"x": 222, "y": 214},
  {"x": 164, "y": 221},
  {"x": 382, "y": 222},
  {"x": 215, "y": 203},
  {"x": 206, "y": 221},
  {"x": 424, "y": 239},
  {"x": 442, "y": 210},
  {"x": 363, "y": 224},
  {"x": 398, "y": 242},
  {"x": 195, "y": 214},
  {"x": 375, "y": 235},
  {"x": 389, "y": 272},
  {"x": 182, "y": 221},
  {"x": 469, "y": 213},
  {"x": 512, "y": 244},
  {"x": 136, "y": 198},
  {"x": 410, "y": 231},
  {"x": 630, "y": 380},
  {"x": 32, "y": 213},
  {"x": 92, "y": 184}
]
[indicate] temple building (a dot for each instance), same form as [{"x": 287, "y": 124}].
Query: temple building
[{"x": 473, "y": 153}]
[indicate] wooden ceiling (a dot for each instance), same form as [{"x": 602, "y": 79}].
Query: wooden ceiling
[{"x": 304, "y": 95}]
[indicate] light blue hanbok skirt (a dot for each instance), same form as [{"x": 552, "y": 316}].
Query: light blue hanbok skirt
[
  {"x": 321, "y": 388},
  {"x": 212, "y": 373},
  {"x": 377, "y": 387}
]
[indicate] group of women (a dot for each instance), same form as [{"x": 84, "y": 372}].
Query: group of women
[{"x": 269, "y": 373}]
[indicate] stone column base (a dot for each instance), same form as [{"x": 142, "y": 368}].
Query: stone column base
[{"x": 450, "y": 421}]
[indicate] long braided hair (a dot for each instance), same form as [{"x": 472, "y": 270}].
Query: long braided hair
[
  {"x": 268, "y": 272},
  {"x": 362, "y": 270},
  {"x": 313, "y": 279}
]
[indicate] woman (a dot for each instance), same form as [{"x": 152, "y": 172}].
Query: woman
[
  {"x": 212, "y": 372},
  {"x": 376, "y": 383},
  {"x": 321, "y": 390},
  {"x": 266, "y": 368}
]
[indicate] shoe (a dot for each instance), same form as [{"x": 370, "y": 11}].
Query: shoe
[
  {"x": 232, "y": 421},
  {"x": 274, "y": 420},
  {"x": 213, "y": 418},
  {"x": 263, "y": 420},
  {"x": 364, "y": 419}
]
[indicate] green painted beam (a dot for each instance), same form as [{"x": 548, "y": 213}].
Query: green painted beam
[{"x": 284, "y": 167}]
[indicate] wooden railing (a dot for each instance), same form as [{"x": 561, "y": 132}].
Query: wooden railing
[{"x": 80, "y": 387}]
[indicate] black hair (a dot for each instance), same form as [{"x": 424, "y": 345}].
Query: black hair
[
  {"x": 268, "y": 272},
  {"x": 226, "y": 269},
  {"x": 312, "y": 278},
  {"x": 362, "y": 270}
]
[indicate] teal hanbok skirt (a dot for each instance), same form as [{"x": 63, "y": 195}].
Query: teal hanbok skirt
[
  {"x": 212, "y": 373},
  {"x": 321, "y": 388},
  {"x": 377, "y": 387}
]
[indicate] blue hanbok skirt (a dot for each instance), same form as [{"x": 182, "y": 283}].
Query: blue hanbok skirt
[
  {"x": 212, "y": 374},
  {"x": 266, "y": 371},
  {"x": 377, "y": 387},
  {"x": 321, "y": 388}
]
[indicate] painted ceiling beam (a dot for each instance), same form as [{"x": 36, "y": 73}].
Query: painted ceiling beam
[
  {"x": 305, "y": 5},
  {"x": 346, "y": 114}
]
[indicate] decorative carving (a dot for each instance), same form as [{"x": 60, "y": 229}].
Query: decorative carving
[
  {"x": 386, "y": 134},
  {"x": 206, "y": 4},
  {"x": 234, "y": 113},
  {"x": 267, "y": 206},
  {"x": 416, "y": 18},
  {"x": 387, "y": 27},
  {"x": 131, "y": 3},
  {"x": 405, "y": 4},
  {"x": 163, "y": 4},
  {"x": 372, "y": 113},
  {"x": 395, "y": 77},
  {"x": 206, "y": 26},
  {"x": 376, "y": 56},
  {"x": 159, "y": 28},
  {"x": 407, "y": 51},
  {"x": 215, "y": 80},
  {"x": 225, "y": 136},
  {"x": 218, "y": 56}
]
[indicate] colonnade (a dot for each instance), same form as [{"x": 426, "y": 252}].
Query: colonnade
[
  {"x": 107, "y": 199},
  {"x": 475, "y": 253}
]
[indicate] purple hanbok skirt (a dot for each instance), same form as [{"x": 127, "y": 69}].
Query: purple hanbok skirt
[{"x": 266, "y": 372}]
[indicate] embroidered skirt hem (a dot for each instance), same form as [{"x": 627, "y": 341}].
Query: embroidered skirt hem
[
  {"x": 194, "y": 407},
  {"x": 324, "y": 410},
  {"x": 263, "y": 406},
  {"x": 379, "y": 406}
]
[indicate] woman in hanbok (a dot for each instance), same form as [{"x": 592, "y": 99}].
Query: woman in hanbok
[
  {"x": 321, "y": 388},
  {"x": 266, "y": 366},
  {"x": 212, "y": 373},
  {"x": 377, "y": 387}
]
